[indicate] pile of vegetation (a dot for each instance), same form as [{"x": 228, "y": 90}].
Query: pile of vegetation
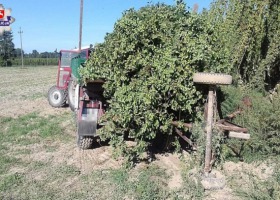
[
  {"x": 148, "y": 62},
  {"x": 149, "y": 59}
]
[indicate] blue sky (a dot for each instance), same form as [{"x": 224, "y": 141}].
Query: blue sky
[{"x": 54, "y": 24}]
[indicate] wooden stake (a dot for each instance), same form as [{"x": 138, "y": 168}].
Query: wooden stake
[{"x": 210, "y": 112}]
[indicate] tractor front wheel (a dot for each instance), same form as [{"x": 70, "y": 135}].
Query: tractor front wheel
[
  {"x": 56, "y": 97},
  {"x": 84, "y": 142}
]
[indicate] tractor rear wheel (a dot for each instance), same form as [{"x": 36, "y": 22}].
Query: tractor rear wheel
[
  {"x": 57, "y": 97},
  {"x": 85, "y": 142}
]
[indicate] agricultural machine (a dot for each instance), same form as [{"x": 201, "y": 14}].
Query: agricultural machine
[
  {"x": 86, "y": 100},
  {"x": 88, "y": 103},
  {"x": 58, "y": 94}
]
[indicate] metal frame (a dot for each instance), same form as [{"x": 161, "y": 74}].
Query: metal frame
[{"x": 88, "y": 113}]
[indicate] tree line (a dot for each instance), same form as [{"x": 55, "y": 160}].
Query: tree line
[{"x": 11, "y": 56}]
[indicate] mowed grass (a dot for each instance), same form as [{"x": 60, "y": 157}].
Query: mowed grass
[
  {"x": 36, "y": 147},
  {"x": 39, "y": 158},
  {"x": 26, "y": 83},
  {"x": 23, "y": 177}
]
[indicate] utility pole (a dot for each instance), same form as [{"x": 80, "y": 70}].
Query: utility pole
[
  {"x": 20, "y": 33},
  {"x": 81, "y": 24}
]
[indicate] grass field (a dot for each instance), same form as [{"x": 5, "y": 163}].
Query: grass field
[{"x": 39, "y": 158}]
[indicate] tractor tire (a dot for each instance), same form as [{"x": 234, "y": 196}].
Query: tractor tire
[
  {"x": 85, "y": 142},
  {"x": 212, "y": 78},
  {"x": 57, "y": 97},
  {"x": 71, "y": 94}
]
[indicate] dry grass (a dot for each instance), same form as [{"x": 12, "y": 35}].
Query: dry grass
[
  {"x": 39, "y": 158},
  {"x": 23, "y": 83}
]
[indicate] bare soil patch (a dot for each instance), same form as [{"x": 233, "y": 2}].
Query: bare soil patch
[{"x": 173, "y": 166}]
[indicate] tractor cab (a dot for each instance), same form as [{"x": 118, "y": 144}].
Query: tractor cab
[
  {"x": 64, "y": 68},
  {"x": 57, "y": 94}
]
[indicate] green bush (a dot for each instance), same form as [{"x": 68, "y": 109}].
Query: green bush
[
  {"x": 148, "y": 62},
  {"x": 262, "y": 121}
]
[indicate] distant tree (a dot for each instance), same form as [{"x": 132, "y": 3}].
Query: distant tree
[
  {"x": 35, "y": 53},
  {"x": 17, "y": 53},
  {"x": 44, "y": 54},
  {"x": 6, "y": 48}
]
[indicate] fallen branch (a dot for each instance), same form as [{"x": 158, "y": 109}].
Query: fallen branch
[
  {"x": 177, "y": 124},
  {"x": 184, "y": 137},
  {"x": 227, "y": 126}
]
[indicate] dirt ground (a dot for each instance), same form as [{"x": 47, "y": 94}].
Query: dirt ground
[{"x": 24, "y": 91}]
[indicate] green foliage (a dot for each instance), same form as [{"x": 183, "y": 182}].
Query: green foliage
[
  {"x": 149, "y": 184},
  {"x": 148, "y": 62},
  {"x": 150, "y": 57},
  {"x": 245, "y": 37},
  {"x": 262, "y": 121},
  {"x": 256, "y": 186},
  {"x": 6, "y": 48},
  {"x": 35, "y": 61},
  {"x": 28, "y": 129}
]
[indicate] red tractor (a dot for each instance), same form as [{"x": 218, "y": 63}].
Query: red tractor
[
  {"x": 58, "y": 94},
  {"x": 85, "y": 99}
]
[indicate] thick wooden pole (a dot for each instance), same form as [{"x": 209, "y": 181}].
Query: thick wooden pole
[{"x": 209, "y": 126}]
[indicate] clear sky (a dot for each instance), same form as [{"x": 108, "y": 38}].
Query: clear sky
[{"x": 54, "y": 24}]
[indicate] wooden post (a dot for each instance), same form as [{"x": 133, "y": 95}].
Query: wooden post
[{"x": 210, "y": 112}]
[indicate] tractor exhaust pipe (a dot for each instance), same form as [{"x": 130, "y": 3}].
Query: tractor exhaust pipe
[{"x": 81, "y": 24}]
